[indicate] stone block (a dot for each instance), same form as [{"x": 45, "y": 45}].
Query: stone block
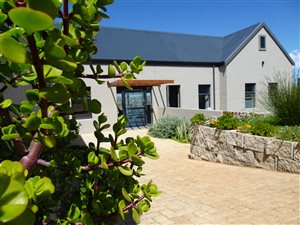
[
  {"x": 211, "y": 145},
  {"x": 234, "y": 138},
  {"x": 296, "y": 151},
  {"x": 238, "y": 156},
  {"x": 194, "y": 129},
  {"x": 207, "y": 132},
  {"x": 283, "y": 149},
  {"x": 212, "y": 133},
  {"x": 197, "y": 139},
  {"x": 194, "y": 132},
  {"x": 196, "y": 149},
  {"x": 220, "y": 135},
  {"x": 208, "y": 156},
  {"x": 246, "y": 157},
  {"x": 262, "y": 160},
  {"x": 254, "y": 142},
  {"x": 259, "y": 157},
  {"x": 200, "y": 152},
  {"x": 288, "y": 165},
  {"x": 228, "y": 160},
  {"x": 226, "y": 149}
]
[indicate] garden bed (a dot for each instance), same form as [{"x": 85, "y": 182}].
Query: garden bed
[{"x": 243, "y": 149}]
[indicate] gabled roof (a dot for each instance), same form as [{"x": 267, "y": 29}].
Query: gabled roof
[{"x": 165, "y": 48}]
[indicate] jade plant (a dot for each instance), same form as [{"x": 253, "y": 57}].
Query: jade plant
[{"x": 44, "y": 177}]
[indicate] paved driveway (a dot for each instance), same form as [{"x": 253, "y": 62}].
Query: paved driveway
[{"x": 198, "y": 192}]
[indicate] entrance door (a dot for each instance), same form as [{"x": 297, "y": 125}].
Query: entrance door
[{"x": 137, "y": 106}]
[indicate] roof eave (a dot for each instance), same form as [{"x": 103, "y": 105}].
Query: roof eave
[{"x": 163, "y": 63}]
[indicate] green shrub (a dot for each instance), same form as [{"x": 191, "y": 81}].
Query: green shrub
[
  {"x": 244, "y": 128},
  {"x": 198, "y": 119},
  {"x": 284, "y": 102},
  {"x": 288, "y": 133},
  {"x": 263, "y": 129},
  {"x": 165, "y": 127},
  {"x": 226, "y": 122},
  {"x": 270, "y": 119},
  {"x": 182, "y": 132}
]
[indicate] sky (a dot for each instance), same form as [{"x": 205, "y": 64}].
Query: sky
[{"x": 210, "y": 17}]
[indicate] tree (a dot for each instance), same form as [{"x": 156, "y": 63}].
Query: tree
[{"x": 44, "y": 178}]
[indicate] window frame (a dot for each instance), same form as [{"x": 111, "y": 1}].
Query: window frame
[
  {"x": 253, "y": 97},
  {"x": 260, "y": 42},
  {"x": 204, "y": 94},
  {"x": 272, "y": 86}
]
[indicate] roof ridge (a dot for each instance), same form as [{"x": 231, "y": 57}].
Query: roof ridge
[
  {"x": 243, "y": 29},
  {"x": 161, "y": 32}
]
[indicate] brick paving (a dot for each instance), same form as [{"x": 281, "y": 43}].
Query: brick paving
[{"x": 199, "y": 192}]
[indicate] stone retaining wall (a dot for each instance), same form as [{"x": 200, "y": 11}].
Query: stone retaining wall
[{"x": 231, "y": 147}]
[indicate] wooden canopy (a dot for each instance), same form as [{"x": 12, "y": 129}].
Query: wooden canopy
[{"x": 140, "y": 83}]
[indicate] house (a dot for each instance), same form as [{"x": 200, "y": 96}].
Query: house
[{"x": 187, "y": 72}]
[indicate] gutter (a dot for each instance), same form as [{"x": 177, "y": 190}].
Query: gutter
[{"x": 214, "y": 88}]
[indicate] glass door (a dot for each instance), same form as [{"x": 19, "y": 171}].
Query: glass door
[{"x": 136, "y": 106}]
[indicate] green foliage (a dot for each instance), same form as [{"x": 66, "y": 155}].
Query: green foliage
[
  {"x": 13, "y": 197},
  {"x": 13, "y": 50},
  {"x": 31, "y": 20},
  {"x": 288, "y": 133},
  {"x": 18, "y": 198},
  {"x": 56, "y": 182},
  {"x": 270, "y": 119},
  {"x": 284, "y": 102},
  {"x": 171, "y": 127},
  {"x": 262, "y": 125},
  {"x": 97, "y": 175},
  {"x": 263, "y": 129},
  {"x": 198, "y": 119},
  {"x": 165, "y": 127},
  {"x": 182, "y": 132},
  {"x": 227, "y": 122}
]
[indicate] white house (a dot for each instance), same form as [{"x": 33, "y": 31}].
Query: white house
[{"x": 187, "y": 72}]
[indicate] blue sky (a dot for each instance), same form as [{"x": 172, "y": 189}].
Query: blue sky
[{"x": 214, "y": 17}]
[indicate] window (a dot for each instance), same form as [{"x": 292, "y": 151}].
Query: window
[
  {"x": 272, "y": 87},
  {"x": 249, "y": 95},
  {"x": 204, "y": 96},
  {"x": 262, "y": 42},
  {"x": 173, "y": 96},
  {"x": 80, "y": 105}
]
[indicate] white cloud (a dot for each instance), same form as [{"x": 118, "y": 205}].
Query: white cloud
[{"x": 295, "y": 55}]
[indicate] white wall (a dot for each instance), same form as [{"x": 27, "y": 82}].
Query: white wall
[
  {"x": 187, "y": 114},
  {"x": 247, "y": 67},
  {"x": 16, "y": 94},
  {"x": 187, "y": 77}
]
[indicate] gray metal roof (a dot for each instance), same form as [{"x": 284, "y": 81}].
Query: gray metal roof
[{"x": 163, "y": 47}]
